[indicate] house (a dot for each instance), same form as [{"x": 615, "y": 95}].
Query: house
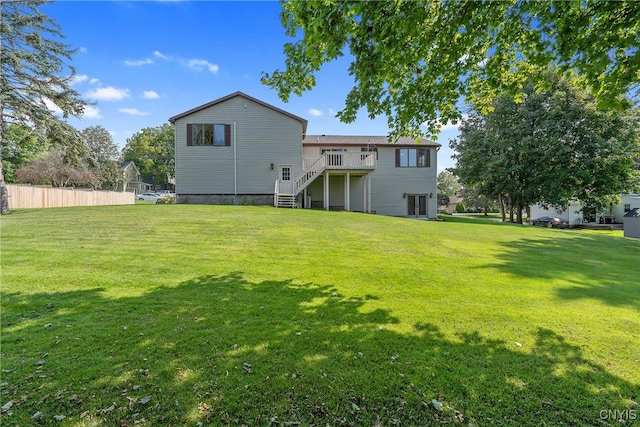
[
  {"x": 453, "y": 202},
  {"x": 130, "y": 179},
  {"x": 574, "y": 215},
  {"x": 238, "y": 149}
]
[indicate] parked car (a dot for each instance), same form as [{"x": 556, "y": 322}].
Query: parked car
[
  {"x": 547, "y": 221},
  {"x": 153, "y": 197}
]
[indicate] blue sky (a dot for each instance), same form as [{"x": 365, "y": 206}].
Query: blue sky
[{"x": 142, "y": 62}]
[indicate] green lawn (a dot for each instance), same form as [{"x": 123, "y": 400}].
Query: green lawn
[{"x": 212, "y": 315}]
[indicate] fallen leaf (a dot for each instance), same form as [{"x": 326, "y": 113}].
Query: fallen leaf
[
  {"x": 518, "y": 344},
  {"x": 59, "y": 417},
  {"x": 144, "y": 400},
  {"x": 7, "y": 406},
  {"x": 436, "y": 404}
]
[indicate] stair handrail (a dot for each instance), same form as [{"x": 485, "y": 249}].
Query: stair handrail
[
  {"x": 307, "y": 175},
  {"x": 276, "y": 190}
]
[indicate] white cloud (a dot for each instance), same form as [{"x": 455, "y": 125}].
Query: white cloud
[
  {"x": 150, "y": 94},
  {"x": 315, "y": 112},
  {"x": 91, "y": 112},
  {"x": 139, "y": 62},
  {"x": 133, "y": 112},
  {"x": 201, "y": 64},
  {"x": 79, "y": 78},
  {"x": 51, "y": 106},
  {"x": 82, "y": 50},
  {"x": 450, "y": 126},
  {"x": 160, "y": 55},
  {"x": 108, "y": 93},
  {"x": 94, "y": 81}
]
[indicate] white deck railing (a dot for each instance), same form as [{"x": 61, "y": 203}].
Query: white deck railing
[
  {"x": 344, "y": 160},
  {"x": 312, "y": 166}
]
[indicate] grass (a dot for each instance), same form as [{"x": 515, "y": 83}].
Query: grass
[{"x": 214, "y": 315}]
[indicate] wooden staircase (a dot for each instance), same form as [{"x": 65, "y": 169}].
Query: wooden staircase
[
  {"x": 314, "y": 167},
  {"x": 285, "y": 201}
]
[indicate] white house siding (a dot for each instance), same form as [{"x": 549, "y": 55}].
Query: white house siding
[
  {"x": 573, "y": 214},
  {"x": 632, "y": 200},
  {"x": 261, "y": 136}
]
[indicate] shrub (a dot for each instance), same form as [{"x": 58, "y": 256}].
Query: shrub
[{"x": 460, "y": 207}]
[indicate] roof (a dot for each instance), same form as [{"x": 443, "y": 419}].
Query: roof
[
  {"x": 633, "y": 213},
  {"x": 244, "y": 95},
  {"x": 124, "y": 165},
  {"x": 364, "y": 140}
]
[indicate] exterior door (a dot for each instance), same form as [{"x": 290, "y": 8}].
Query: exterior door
[
  {"x": 286, "y": 180},
  {"x": 416, "y": 206}
]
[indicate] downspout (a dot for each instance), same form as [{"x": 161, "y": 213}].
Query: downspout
[{"x": 235, "y": 161}]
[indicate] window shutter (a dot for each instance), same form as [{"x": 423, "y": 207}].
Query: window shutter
[
  {"x": 189, "y": 135},
  {"x": 428, "y": 157},
  {"x": 397, "y": 157},
  {"x": 227, "y": 135}
]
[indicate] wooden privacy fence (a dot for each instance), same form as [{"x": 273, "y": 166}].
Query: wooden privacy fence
[{"x": 33, "y": 196}]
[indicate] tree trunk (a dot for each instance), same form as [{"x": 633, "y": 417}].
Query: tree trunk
[
  {"x": 4, "y": 191},
  {"x": 511, "y": 210},
  {"x": 502, "y": 208},
  {"x": 519, "y": 213}
]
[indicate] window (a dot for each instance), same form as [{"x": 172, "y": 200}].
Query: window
[
  {"x": 413, "y": 158},
  {"x": 209, "y": 134},
  {"x": 627, "y": 207}
]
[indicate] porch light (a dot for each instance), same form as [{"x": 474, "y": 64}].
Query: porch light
[
  {"x": 271, "y": 166},
  {"x": 431, "y": 195},
  {"x": 404, "y": 195}
]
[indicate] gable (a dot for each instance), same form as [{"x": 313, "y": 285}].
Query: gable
[{"x": 222, "y": 100}]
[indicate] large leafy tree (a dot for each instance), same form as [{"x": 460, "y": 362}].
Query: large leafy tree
[
  {"x": 553, "y": 147},
  {"x": 413, "y": 60},
  {"x": 103, "y": 153},
  {"x": 153, "y": 152},
  {"x": 19, "y": 145},
  {"x": 35, "y": 76}
]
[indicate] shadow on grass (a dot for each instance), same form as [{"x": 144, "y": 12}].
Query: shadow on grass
[
  {"x": 600, "y": 267},
  {"x": 223, "y": 350}
]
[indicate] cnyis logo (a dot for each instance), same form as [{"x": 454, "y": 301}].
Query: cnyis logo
[{"x": 618, "y": 414}]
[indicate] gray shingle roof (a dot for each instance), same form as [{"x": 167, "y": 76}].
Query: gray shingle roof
[
  {"x": 364, "y": 140},
  {"x": 633, "y": 213}
]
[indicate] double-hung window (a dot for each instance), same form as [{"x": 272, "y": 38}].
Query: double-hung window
[
  {"x": 413, "y": 158},
  {"x": 208, "y": 134}
]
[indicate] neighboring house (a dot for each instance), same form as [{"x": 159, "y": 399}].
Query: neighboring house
[
  {"x": 238, "y": 149},
  {"x": 453, "y": 202},
  {"x": 130, "y": 179},
  {"x": 574, "y": 214}
]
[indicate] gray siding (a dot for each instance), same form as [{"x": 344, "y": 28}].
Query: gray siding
[
  {"x": 259, "y": 136},
  {"x": 388, "y": 184}
]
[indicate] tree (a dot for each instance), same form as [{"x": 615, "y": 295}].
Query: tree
[
  {"x": 153, "y": 151},
  {"x": 20, "y": 145},
  {"x": 413, "y": 61},
  {"x": 50, "y": 168},
  {"x": 36, "y": 75},
  {"x": 477, "y": 201},
  {"x": 104, "y": 154},
  {"x": 448, "y": 183},
  {"x": 553, "y": 147}
]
